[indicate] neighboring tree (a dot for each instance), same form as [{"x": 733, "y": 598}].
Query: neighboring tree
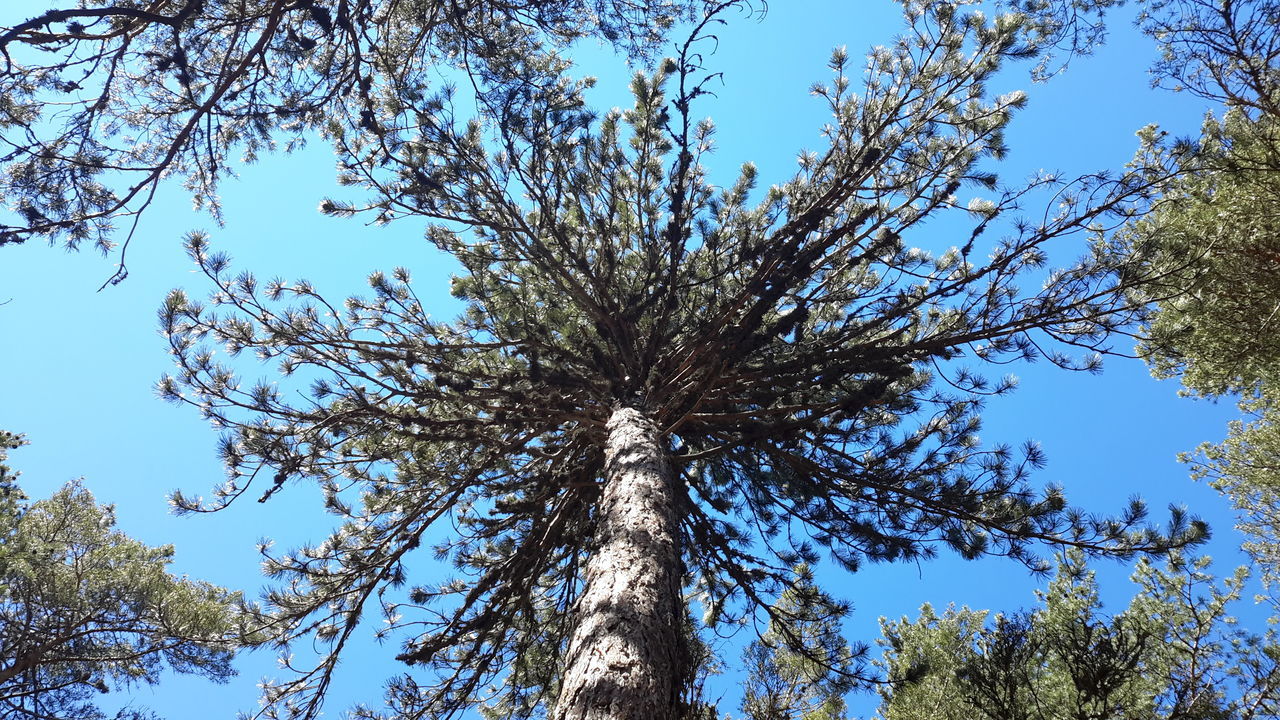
[
  {"x": 1228, "y": 52},
  {"x": 10, "y": 496},
  {"x": 1218, "y": 239},
  {"x": 100, "y": 101},
  {"x": 85, "y": 609},
  {"x": 922, "y": 661},
  {"x": 1220, "y": 336},
  {"x": 663, "y": 394},
  {"x": 1174, "y": 654},
  {"x": 801, "y": 668}
]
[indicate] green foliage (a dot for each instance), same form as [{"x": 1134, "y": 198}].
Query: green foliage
[
  {"x": 933, "y": 647},
  {"x": 85, "y": 609},
  {"x": 1173, "y": 654},
  {"x": 1214, "y": 242},
  {"x": 100, "y": 102},
  {"x": 1215, "y": 238},
  {"x": 1215, "y": 327},
  {"x": 1220, "y": 337},
  {"x": 811, "y": 372},
  {"x": 11, "y": 496},
  {"x": 1246, "y": 466},
  {"x": 801, "y": 667},
  {"x": 1221, "y": 51}
]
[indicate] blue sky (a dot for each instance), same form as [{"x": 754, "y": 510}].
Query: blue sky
[{"x": 78, "y": 366}]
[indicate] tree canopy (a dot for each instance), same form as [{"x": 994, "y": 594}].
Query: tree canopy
[
  {"x": 809, "y": 684},
  {"x": 84, "y": 609},
  {"x": 1216, "y": 237},
  {"x": 794, "y": 375},
  {"x": 671, "y": 395},
  {"x": 100, "y": 102},
  {"x": 1173, "y": 654}
]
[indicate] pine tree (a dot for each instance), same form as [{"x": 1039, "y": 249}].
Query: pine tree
[
  {"x": 801, "y": 667},
  {"x": 11, "y": 496},
  {"x": 1174, "y": 654},
  {"x": 663, "y": 394},
  {"x": 99, "y": 103},
  {"x": 1215, "y": 244},
  {"x": 84, "y": 609}
]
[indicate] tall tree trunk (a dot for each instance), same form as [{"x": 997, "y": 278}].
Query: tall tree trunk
[{"x": 625, "y": 658}]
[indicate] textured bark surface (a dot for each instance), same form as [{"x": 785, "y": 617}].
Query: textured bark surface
[{"x": 624, "y": 656}]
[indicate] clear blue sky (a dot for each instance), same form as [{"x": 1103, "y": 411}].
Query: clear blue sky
[{"x": 78, "y": 366}]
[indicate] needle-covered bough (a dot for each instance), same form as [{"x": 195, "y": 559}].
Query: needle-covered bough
[{"x": 102, "y": 100}]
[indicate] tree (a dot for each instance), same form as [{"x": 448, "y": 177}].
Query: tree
[
  {"x": 1219, "y": 244},
  {"x": 1218, "y": 337},
  {"x": 10, "y": 495},
  {"x": 1173, "y": 654},
  {"x": 787, "y": 679},
  {"x": 85, "y": 609},
  {"x": 663, "y": 393},
  {"x": 1225, "y": 52},
  {"x": 101, "y": 101}
]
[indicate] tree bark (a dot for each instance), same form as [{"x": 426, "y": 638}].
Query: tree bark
[{"x": 625, "y": 656}]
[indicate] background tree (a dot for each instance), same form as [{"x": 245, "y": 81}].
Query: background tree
[
  {"x": 1218, "y": 338},
  {"x": 10, "y": 496},
  {"x": 99, "y": 102},
  {"x": 1220, "y": 243},
  {"x": 800, "y": 669},
  {"x": 85, "y": 609},
  {"x": 932, "y": 647},
  {"x": 1225, "y": 52},
  {"x": 1173, "y": 653},
  {"x": 663, "y": 393}
]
